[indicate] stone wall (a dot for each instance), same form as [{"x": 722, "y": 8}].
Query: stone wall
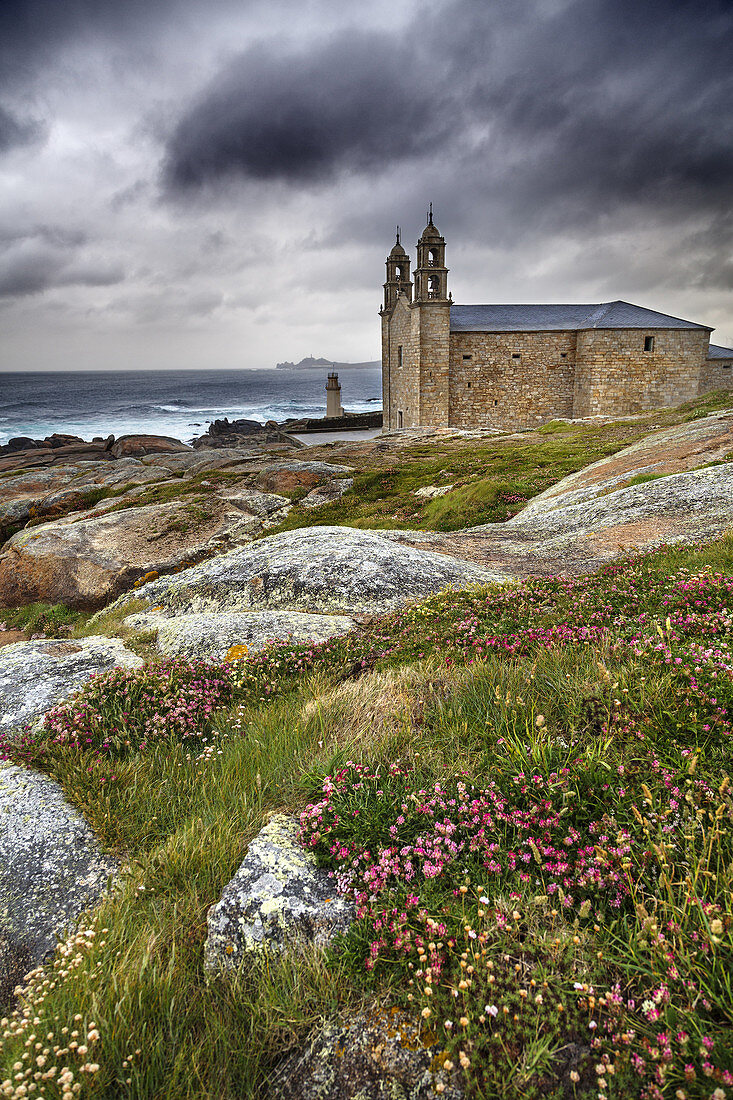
[
  {"x": 433, "y": 319},
  {"x": 401, "y": 385},
  {"x": 717, "y": 374},
  {"x": 510, "y": 380},
  {"x": 614, "y": 376}
]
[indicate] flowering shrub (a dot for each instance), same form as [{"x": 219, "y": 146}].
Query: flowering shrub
[
  {"x": 128, "y": 709},
  {"x": 381, "y": 834}
]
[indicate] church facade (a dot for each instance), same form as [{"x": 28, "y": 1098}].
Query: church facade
[{"x": 517, "y": 366}]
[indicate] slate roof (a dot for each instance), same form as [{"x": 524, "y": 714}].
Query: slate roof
[
  {"x": 715, "y": 351},
  {"x": 559, "y": 318}
]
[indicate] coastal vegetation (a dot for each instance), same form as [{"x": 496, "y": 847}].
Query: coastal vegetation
[
  {"x": 526, "y": 792},
  {"x": 487, "y": 482}
]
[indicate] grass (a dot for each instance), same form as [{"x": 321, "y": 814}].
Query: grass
[
  {"x": 569, "y": 682},
  {"x": 44, "y": 618},
  {"x": 490, "y": 481}
]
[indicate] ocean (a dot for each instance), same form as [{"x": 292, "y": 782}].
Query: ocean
[{"x": 175, "y": 403}]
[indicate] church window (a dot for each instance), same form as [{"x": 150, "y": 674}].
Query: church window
[
  {"x": 399, "y": 419},
  {"x": 726, "y": 366},
  {"x": 516, "y": 355},
  {"x": 399, "y": 355},
  {"x": 433, "y": 257},
  {"x": 648, "y": 343},
  {"x": 496, "y": 402},
  {"x": 469, "y": 385},
  {"x": 468, "y": 357},
  {"x": 563, "y": 355}
]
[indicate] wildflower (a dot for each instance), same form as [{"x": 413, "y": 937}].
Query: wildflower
[{"x": 491, "y": 1010}]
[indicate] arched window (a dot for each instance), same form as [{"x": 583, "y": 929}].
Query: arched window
[{"x": 433, "y": 257}]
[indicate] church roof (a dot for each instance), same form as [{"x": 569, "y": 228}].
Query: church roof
[
  {"x": 429, "y": 231},
  {"x": 548, "y": 318},
  {"x": 715, "y": 351}
]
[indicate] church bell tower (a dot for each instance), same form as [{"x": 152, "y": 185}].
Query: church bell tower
[
  {"x": 398, "y": 276},
  {"x": 431, "y": 274}
]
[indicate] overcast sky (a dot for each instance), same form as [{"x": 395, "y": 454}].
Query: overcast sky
[{"x": 215, "y": 183}]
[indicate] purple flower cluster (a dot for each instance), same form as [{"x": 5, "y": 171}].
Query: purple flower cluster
[{"x": 127, "y": 709}]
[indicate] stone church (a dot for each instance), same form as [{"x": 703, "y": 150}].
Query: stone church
[{"x": 518, "y": 366}]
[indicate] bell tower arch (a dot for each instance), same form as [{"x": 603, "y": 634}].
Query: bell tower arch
[
  {"x": 398, "y": 275},
  {"x": 431, "y": 274}
]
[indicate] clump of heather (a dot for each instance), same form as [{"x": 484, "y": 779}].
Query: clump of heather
[
  {"x": 384, "y": 834},
  {"x": 610, "y": 936},
  {"x": 131, "y": 709}
]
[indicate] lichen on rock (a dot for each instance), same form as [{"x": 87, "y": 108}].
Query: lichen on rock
[
  {"x": 211, "y": 637},
  {"x": 51, "y": 870},
  {"x": 278, "y": 895},
  {"x": 323, "y": 570},
  {"x": 36, "y": 675},
  {"x": 376, "y": 1055}
]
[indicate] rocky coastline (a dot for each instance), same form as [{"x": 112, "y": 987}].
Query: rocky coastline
[{"x": 22, "y": 452}]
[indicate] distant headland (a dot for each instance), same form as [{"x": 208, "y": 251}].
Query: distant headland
[{"x": 309, "y": 363}]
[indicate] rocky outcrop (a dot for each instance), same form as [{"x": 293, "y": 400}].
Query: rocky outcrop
[
  {"x": 278, "y": 895},
  {"x": 36, "y": 675},
  {"x": 57, "y": 490},
  {"x": 323, "y": 570},
  {"x": 683, "y": 448},
  {"x": 256, "y": 503},
  {"x": 86, "y": 562},
  {"x": 213, "y": 637},
  {"x": 326, "y": 494},
  {"x": 134, "y": 446},
  {"x": 51, "y": 870},
  {"x": 376, "y": 1055},
  {"x": 660, "y": 490},
  {"x": 232, "y": 433},
  {"x": 204, "y": 461},
  {"x": 22, "y": 453},
  {"x": 288, "y": 477}
]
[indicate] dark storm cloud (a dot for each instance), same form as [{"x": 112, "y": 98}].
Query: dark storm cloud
[
  {"x": 16, "y": 132},
  {"x": 552, "y": 112},
  {"x": 351, "y": 102},
  {"x": 49, "y": 256},
  {"x": 614, "y": 102},
  {"x": 33, "y": 30}
]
